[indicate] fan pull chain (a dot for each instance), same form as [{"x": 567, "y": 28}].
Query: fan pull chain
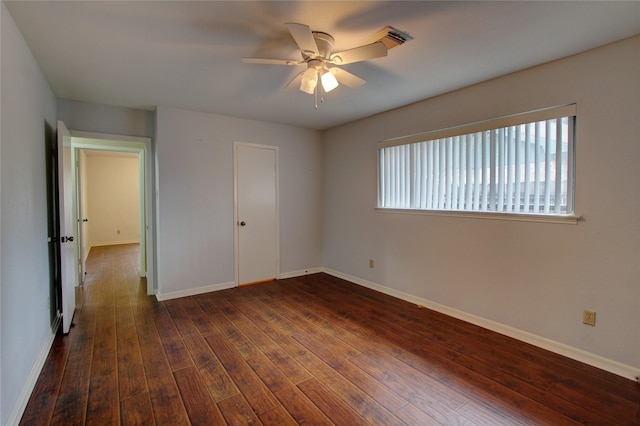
[{"x": 315, "y": 92}]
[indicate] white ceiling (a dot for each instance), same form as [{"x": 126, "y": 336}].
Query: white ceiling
[{"x": 183, "y": 54}]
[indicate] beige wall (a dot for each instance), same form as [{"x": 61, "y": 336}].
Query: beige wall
[
  {"x": 533, "y": 277},
  {"x": 112, "y": 191}
]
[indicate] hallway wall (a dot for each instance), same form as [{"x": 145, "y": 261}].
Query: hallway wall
[
  {"x": 112, "y": 190},
  {"x": 28, "y": 121}
]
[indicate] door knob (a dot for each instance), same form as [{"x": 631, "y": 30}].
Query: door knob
[{"x": 243, "y": 223}]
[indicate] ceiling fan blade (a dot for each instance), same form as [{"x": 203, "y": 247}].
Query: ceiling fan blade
[
  {"x": 271, "y": 61},
  {"x": 304, "y": 38},
  {"x": 362, "y": 53},
  {"x": 295, "y": 79},
  {"x": 346, "y": 78}
]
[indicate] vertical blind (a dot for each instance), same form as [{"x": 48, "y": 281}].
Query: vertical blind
[{"x": 516, "y": 164}]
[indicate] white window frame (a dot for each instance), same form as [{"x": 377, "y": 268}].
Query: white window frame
[{"x": 483, "y": 126}]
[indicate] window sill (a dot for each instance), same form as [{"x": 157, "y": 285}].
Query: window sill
[{"x": 521, "y": 217}]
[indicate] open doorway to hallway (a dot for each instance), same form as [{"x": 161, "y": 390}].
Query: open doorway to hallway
[
  {"x": 108, "y": 201},
  {"x": 119, "y": 154}
]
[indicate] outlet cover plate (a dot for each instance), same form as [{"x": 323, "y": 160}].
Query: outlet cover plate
[{"x": 589, "y": 317}]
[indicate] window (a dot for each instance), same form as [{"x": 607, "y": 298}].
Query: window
[{"x": 521, "y": 164}]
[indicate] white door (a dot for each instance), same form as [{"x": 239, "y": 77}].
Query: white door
[
  {"x": 256, "y": 213},
  {"x": 67, "y": 243}
]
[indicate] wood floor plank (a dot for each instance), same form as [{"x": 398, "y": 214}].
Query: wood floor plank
[
  {"x": 253, "y": 389},
  {"x": 411, "y": 415},
  {"x": 335, "y": 408},
  {"x": 198, "y": 317},
  {"x": 201, "y": 408},
  {"x": 103, "y": 404},
  {"x": 237, "y": 411},
  {"x": 200, "y": 351},
  {"x": 131, "y": 378},
  {"x": 292, "y": 399},
  {"x": 475, "y": 386},
  {"x": 482, "y": 414},
  {"x": 180, "y": 317},
  {"x": 269, "y": 316},
  {"x": 314, "y": 327},
  {"x": 313, "y": 349},
  {"x": 419, "y": 389},
  {"x": 40, "y": 407},
  {"x": 367, "y": 407},
  {"x": 174, "y": 347},
  {"x": 287, "y": 365},
  {"x": 224, "y": 324},
  {"x": 136, "y": 410},
  {"x": 277, "y": 417},
  {"x": 550, "y": 416},
  {"x": 355, "y": 375},
  {"x": 618, "y": 409},
  {"x": 275, "y": 327},
  {"x": 71, "y": 403},
  {"x": 165, "y": 398},
  {"x": 563, "y": 407},
  {"x": 218, "y": 381}
]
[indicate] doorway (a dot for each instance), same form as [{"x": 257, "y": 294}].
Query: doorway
[
  {"x": 256, "y": 213},
  {"x": 125, "y": 146},
  {"x": 108, "y": 201}
]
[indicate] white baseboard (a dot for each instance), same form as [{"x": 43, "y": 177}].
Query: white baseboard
[
  {"x": 21, "y": 404},
  {"x": 589, "y": 358},
  {"x": 194, "y": 291},
  {"x": 231, "y": 284},
  {"x": 114, "y": 243},
  {"x": 299, "y": 273}
]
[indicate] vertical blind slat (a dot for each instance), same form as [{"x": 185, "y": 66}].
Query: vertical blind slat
[
  {"x": 478, "y": 172},
  {"x": 538, "y": 159},
  {"x": 547, "y": 165},
  {"x": 407, "y": 176},
  {"x": 493, "y": 193},
  {"x": 471, "y": 161},
  {"x": 455, "y": 178},
  {"x": 382, "y": 177},
  {"x": 448, "y": 167},
  {"x": 436, "y": 175},
  {"x": 527, "y": 167},
  {"x": 559, "y": 167},
  {"x": 442, "y": 149},
  {"x": 570, "y": 165},
  {"x": 501, "y": 165},
  {"x": 487, "y": 176},
  {"x": 509, "y": 161},
  {"x": 517, "y": 196},
  {"x": 430, "y": 174}
]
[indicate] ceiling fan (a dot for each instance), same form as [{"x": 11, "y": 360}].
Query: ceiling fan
[{"x": 315, "y": 47}]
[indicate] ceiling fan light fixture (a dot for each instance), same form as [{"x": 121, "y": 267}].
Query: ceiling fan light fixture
[
  {"x": 309, "y": 81},
  {"x": 329, "y": 81}
]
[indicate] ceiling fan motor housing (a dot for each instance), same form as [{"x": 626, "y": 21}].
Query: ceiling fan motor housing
[{"x": 324, "y": 42}]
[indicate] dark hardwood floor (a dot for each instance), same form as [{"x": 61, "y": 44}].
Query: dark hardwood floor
[{"x": 313, "y": 350}]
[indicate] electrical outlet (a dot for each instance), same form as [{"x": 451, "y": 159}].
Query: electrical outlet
[
  {"x": 589, "y": 317},
  {"x": 118, "y": 232},
  {"x": 371, "y": 263}
]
